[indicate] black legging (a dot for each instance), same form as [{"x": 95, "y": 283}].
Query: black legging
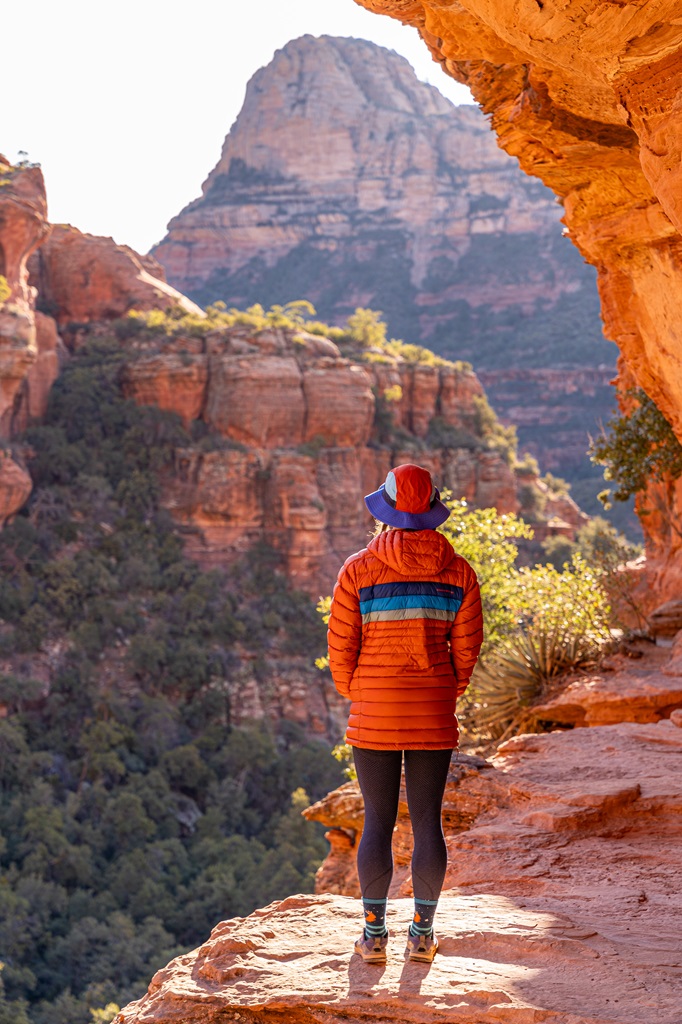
[{"x": 426, "y": 773}]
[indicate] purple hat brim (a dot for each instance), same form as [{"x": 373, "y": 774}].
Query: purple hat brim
[{"x": 386, "y": 513}]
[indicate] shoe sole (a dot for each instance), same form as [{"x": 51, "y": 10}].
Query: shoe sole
[
  {"x": 422, "y": 958},
  {"x": 371, "y": 958}
]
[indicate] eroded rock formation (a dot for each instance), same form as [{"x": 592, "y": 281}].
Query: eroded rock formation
[
  {"x": 347, "y": 181},
  {"x": 81, "y": 278},
  {"x": 297, "y": 434},
  {"x": 27, "y": 349},
  {"x": 23, "y": 227},
  {"x": 584, "y": 96},
  {"x": 557, "y": 909}
]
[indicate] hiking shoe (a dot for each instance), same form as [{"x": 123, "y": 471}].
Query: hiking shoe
[
  {"x": 421, "y": 947},
  {"x": 372, "y": 948}
]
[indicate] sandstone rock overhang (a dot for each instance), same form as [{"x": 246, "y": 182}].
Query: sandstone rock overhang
[{"x": 585, "y": 95}]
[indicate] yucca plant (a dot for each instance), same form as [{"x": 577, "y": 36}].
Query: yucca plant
[{"x": 505, "y": 685}]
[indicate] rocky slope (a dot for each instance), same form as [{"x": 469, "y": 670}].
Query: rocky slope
[
  {"x": 347, "y": 181},
  {"x": 558, "y": 908},
  {"x": 584, "y": 96}
]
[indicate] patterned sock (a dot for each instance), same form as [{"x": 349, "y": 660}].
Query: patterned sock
[
  {"x": 375, "y": 917},
  {"x": 424, "y": 913}
]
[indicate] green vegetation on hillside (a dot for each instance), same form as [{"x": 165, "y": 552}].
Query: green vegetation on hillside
[
  {"x": 637, "y": 449},
  {"x": 364, "y": 336},
  {"x": 134, "y": 813}
]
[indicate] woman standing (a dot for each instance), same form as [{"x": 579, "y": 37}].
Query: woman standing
[{"x": 405, "y": 631}]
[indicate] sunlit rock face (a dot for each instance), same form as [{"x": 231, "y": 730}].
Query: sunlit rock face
[
  {"x": 23, "y": 226},
  {"x": 81, "y": 278},
  {"x": 347, "y": 181},
  {"x": 294, "y": 439},
  {"x": 584, "y": 95},
  {"x": 28, "y": 361}
]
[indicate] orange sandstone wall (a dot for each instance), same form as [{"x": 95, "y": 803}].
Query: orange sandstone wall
[{"x": 585, "y": 95}]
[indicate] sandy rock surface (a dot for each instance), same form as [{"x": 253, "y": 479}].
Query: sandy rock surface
[
  {"x": 561, "y": 904},
  {"x": 501, "y": 959},
  {"x": 625, "y": 689}
]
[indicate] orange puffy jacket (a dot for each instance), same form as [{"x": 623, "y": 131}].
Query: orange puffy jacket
[{"x": 405, "y": 631}]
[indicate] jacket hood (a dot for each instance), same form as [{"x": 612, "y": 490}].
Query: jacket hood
[{"x": 419, "y": 553}]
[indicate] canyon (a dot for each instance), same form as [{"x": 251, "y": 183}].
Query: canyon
[
  {"x": 564, "y": 846},
  {"x": 562, "y": 900},
  {"x": 284, "y": 432},
  {"x": 348, "y": 182}
]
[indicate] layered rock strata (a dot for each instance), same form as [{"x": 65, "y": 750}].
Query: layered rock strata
[
  {"x": 584, "y": 96},
  {"x": 557, "y": 403},
  {"x": 296, "y": 435},
  {"x": 347, "y": 181},
  {"x": 80, "y": 279}
]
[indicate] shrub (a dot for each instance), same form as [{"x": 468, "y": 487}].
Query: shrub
[
  {"x": 559, "y": 550},
  {"x": 505, "y": 686},
  {"x": 636, "y": 448},
  {"x": 561, "y": 620},
  {"x": 497, "y": 437},
  {"x": 486, "y": 539},
  {"x": 443, "y": 435}
]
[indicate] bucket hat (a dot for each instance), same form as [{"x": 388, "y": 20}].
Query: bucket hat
[{"x": 408, "y": 499}]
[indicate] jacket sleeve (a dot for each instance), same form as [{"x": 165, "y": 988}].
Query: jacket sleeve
[
  {"x": 344, "y": 634},
  {"x": 466, "y": 635}
]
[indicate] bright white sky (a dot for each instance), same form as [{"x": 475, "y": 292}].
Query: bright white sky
[{"x": 126, "y": 105}]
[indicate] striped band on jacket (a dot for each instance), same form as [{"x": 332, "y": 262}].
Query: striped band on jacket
[{"x": 410, "y": 600}]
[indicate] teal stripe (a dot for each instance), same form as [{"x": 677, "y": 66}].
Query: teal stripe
[{"x": 384, "y": 604}]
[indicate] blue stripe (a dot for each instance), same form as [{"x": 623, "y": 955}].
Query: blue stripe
[
  {"x": 411, "y": 587},
  {"x": 383, "y": 604}
]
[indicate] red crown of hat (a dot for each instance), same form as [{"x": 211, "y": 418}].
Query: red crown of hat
[{"x": 409, "y": 488}]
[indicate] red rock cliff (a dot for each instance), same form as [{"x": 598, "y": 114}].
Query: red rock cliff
[
  {"x": 584, "y": 94},
  {"x": 347, "y": 181},
  {"x": 295, "y": 441},
  {"x": 28, "y": 343}
]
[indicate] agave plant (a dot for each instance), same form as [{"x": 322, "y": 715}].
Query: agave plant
[{"x": 506, "y": 684}]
